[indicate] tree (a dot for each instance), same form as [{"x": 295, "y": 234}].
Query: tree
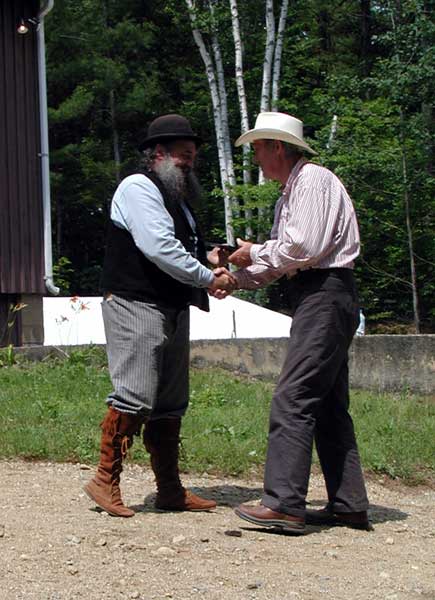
[
  {"x": 410, "y": 45},
  {"x": 101, "y": 82},
  {"x": 208, "y": 20},
  {"x": 216, "y": 81}
]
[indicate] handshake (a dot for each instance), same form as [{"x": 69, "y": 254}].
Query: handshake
[{"x": 225, "y": 282}]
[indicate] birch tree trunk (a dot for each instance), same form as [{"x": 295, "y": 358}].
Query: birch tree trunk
[
  {"x": 228, "y": 152},
  {"x": 220, "y": 75},
  {"x": 267, "y": 78},
  {"x": 243, "y": 105},
  {"x": 278, "y": 55},
  {"x": 224, "y": 109},
  {"x": 268, "y": 57},
  {"x": 240, "y": 83},
  {"x": 217, "y": 115}
]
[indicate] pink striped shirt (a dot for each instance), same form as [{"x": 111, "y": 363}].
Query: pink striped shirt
[{"x": 314, "y": 226}]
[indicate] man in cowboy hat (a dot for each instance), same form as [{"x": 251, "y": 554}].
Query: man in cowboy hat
[
  {"x": 154, "y": 268},
  {"x": 314, "y": 243}
]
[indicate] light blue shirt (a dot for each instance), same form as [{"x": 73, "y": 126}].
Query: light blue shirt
[{"x": 138, "y": 207}]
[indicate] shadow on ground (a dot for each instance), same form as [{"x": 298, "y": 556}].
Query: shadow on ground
[
  {"x": 377, "y": 512},
  {"x": 233, "y": 495},
  {"x": 225, "y": 495},
  {"x": 383, "y": 514}
]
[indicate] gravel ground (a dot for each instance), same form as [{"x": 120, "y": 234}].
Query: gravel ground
[{"x": 55, "y": 546}]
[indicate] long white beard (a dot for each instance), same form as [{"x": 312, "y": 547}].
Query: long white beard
[
  {"x": 173, "y": 178},
  {"x": 179, "y": 183}
]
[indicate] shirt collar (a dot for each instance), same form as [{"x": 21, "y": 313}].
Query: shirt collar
[{"x": 293, "y": 174}]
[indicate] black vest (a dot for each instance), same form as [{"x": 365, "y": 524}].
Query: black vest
[{"x": 128, "y": 273}]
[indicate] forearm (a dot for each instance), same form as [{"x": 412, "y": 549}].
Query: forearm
[
  {"x": 255, "y": 277},
  {"x": 285, "y": 256},
  {"x": 172, "y": 258}
]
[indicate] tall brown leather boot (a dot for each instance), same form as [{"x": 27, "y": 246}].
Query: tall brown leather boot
[
  {"x": 162, "y": 438},
  {"x": 116, "y": 438}
]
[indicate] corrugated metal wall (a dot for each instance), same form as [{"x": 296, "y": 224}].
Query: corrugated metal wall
[{"x": 21, "y": 219}]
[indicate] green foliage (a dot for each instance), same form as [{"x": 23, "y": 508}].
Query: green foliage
[
  {"x": 381, "y": 124},
  {"x": 62, "y": 273},
  {"x": 102, "y": 83},
  {"x": 260, "y": 199},
  {"x": 74, "y": 107}
]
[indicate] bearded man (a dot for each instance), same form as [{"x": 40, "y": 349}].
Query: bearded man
[{"x": 154, "y": 268}]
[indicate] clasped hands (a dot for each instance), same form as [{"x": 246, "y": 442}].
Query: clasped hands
[{"x": 224, "y": 282}]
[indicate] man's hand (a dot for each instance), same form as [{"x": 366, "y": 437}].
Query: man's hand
[
  {"x": 224, "y": 283},
  {"x": 218, "y": 257},
  {"x": 242, "y": 256}
]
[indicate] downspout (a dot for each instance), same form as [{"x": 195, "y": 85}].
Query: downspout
[{"x": 47, "y": 5}]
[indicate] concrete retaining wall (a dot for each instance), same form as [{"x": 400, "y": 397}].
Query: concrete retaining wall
[
  {"x": 393, "y": 362},
  {"x": 377, "y": 362}
]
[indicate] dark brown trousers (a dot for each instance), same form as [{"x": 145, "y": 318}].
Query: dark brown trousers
[{"x": 311, "y": 399}]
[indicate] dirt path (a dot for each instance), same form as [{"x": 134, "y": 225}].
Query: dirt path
[{"x": 55, "y": 546}]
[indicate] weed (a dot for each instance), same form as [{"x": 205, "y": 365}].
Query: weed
[
  {"x": 6, "y": 331},
  {"x": 7, "y": 356}
]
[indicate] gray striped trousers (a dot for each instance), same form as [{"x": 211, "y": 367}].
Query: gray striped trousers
[{"x": 148, "y": 355}]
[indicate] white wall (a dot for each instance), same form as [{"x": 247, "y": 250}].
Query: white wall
[{"x": 71, "y": 321}]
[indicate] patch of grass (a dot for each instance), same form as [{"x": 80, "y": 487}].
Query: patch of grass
[
  {"x": 396, "y": 434},
  {"x": 51, "y": 411},
  {"x": 226, "y": 426}
]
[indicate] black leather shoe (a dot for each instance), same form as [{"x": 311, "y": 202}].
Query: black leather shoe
[
  {"x": 265, "y": 517},
  {"x": 355, "y": 520}
]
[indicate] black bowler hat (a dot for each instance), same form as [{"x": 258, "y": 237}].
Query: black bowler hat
[{"x": 169, "y": 127}]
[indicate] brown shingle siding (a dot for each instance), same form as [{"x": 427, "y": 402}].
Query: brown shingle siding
[{"x": 21, "y": 217}]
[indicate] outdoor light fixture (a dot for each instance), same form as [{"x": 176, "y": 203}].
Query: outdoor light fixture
[{"x": 23, "y": 25}]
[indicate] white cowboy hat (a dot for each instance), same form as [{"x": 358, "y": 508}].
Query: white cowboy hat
[{"x": 276, "y": 126}]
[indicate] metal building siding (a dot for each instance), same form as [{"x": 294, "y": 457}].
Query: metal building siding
[{"x": 21, "y": 215}]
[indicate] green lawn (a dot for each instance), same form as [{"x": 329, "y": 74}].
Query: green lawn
[{"x": 51, "y": 411}]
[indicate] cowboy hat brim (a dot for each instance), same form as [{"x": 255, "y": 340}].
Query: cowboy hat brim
[{"x": 272, "y": 134}]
